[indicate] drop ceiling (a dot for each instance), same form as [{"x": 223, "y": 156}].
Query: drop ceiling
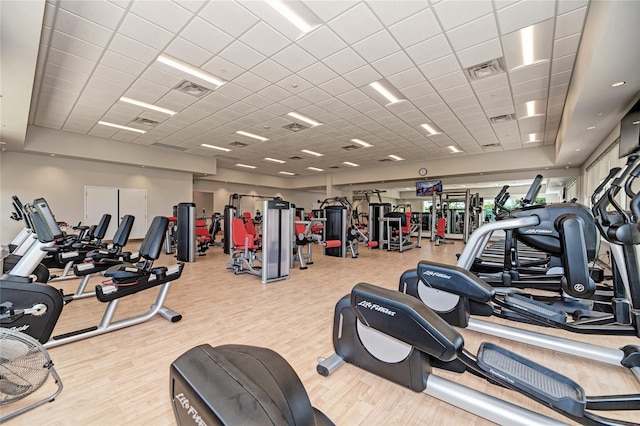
[{"x": 92, "y": 53}]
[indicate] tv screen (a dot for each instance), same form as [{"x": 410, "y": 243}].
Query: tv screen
[
  {"x": 428, "y": 188},
  {"x": 630, "y": 132}
]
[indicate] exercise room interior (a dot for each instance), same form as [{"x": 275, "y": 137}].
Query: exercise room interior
[{"x": 423, "y": 107}]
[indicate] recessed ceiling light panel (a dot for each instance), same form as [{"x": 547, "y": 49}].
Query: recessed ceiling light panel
[{"x": 118, "y": 126}]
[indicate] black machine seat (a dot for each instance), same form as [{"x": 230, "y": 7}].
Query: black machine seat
[
  {"x": 149, "y": 251},
  {"x": 405, "y": 318},
  {"x": 237, "y": 384}
]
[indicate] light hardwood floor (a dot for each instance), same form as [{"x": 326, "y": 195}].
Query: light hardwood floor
[{"x": 123, "y": 377}]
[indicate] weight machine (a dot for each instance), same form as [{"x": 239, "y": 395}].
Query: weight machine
[{"x": 459, "y": 221}]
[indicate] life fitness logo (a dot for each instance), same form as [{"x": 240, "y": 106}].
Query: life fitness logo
[
  {"x": 191, "y": 411},
  {"x": 579, "y": 287},
  {"x": 375, "y": 307}
]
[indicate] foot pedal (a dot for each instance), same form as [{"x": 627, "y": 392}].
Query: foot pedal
[
  {"x": 521, "y": 303},
  {"x": 532, "y": 379}
]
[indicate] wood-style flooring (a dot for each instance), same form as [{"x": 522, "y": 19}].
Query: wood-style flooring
[{"x": 122, "y": 378}]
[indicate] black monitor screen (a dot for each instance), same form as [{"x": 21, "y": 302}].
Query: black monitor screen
[
  {"x": 428, "y": 188},
  {"x": 630, "y": 132}
]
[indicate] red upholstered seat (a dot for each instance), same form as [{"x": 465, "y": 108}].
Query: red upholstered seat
[
  {"x": 407, "y": 227},
  {"x": 241, "y": 238},
  {"x": 248, "y": 223},
  {"x": 440, "y": 227}
]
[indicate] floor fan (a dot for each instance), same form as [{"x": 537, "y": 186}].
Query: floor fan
[{"x": 24, "y": 367}]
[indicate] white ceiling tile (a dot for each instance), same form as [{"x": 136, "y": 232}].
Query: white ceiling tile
[
  {"x": 568, "y": 5},
  {"x": 453, "y": 13},
  {"x": 314, "y": 95},
  {"x": 83, "y": 29},
  {"x": 113, "y": 75},
  {"x": 489, "y": 83},
  {"x": 563, "y": 63},
  {"x": 525, "y": 13},
  {"x": 242, "y": 55},
  {"x": 344, "y": 61},
  {"x": 559, "y": 90},
  {"x": 527, "y": 96},
  {"x": 355, "y": 24},
  {"x": 72, "y": 86},
  {"x": 566, "y": 46},
  {"x": 294, "y": 84},
  {"x": 229, "y": 16},
  {"x": 251, "y": 82},
  {"x": 274, "y": 93},
  {"x": 49, "y": 13},
  {"x": 67, "y": 60},
  {"x": 188, "y": 52},
  {"x": 321, "y": 42},
  {"x": 366, "y": 106},
  {"x": 336, "y": 86},
  {"x": 570, "y": 23},
  {"x": 294, "y": 58},
  {"x": 57, "y": 71},
  {"x": 145, "y": 32},
  {"x": 391, "y": 12},
  {"x": 428, "y": 50},
  {"x": 75, "y": 46},
  {"x": 362, "y": 76},
  {"x": 115, "y": 60},
  {"x": 295, "y": 103},
  {"x": 165, "y": 14},
  {"x": 417, "y": 91},
  {"x": 206, "y": 35},
  {"x": 406, "y": 78},
  {"x": 416, "y": 28},
  {"x": 457, "y": 92},
  {"x": 530, "y": 86},
  {"x": 264, "y": 39},
  {"x": 494, "y": 94},
  {"x": 560, "y": 78},
  {"x": 393, "y": 64},
  {"x": 448, "y": 81},
  {"x": 474, "y": 32},
  {"x": 317, "y": 73},
  {"x": 222, "y": 68},
  {"x": 499, "y": 4},
  {"x": 480, "y": 53},
  {"x": 329, "y": 9},
  {"x": 530, "y": 72},
  {"x": 270, "y": 71},
  {"x": 352, "y": 97},
  {"x": 99, "y": 11},
  {"x": 132, "y": 49},
  {"x": 192, "y": 5},
  {"x": 440, "y": 67},
  {"x": 160, "y": 77},
  {"x": 376, "y": 46}
]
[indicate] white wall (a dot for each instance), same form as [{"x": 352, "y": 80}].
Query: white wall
[
  {"x": 61, "y": 181},
  {"x": 222, "y": 191}
]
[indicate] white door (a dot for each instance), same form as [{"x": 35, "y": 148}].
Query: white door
[
  {"x": 133, "y": 201},
  {"x": 98, "y": 201}
]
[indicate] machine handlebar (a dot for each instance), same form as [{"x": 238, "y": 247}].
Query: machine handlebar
[{"x": 535, "y": 187}]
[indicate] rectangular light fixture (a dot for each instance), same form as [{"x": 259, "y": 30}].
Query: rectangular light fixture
[
  {"x": 317, "y": 154},
  {"x": 526, "y": 38},
  {"x": 246, "y": 166},
  {"x": 274, "y": 160},
  {"x": 531, "y": 108},
  {"x": 287, "y": 173},
  {"x": 385, "y": 92},
  {"x": 219, "y": 148},
  {"x": 395, "y": 157},
  {"x": 190, "y": 69},
  {"x": 454, "y": 149},
  {"x": 361, "y": 143},
  {"x": 315, "y": 169},
  {"x": 251, "y": 135},
  {"x": 532, "y": 138},
  {"x": 430, "y": 129},
  {"x": 301, "y": 117},
  {"x": 117, "y": 126},
  {"x": 290, "y": 15},
  {"x": 349, "y": 163},
  {"x": 147, "y": 106}
]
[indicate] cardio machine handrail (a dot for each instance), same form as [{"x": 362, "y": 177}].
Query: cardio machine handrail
[
  {"x": 615, "y": 188},
  {"x": 627, "y": 185},
  {"x": 599, "y": 209},
  {"x": 500, "y": 200},
  {"x": 612, "y": 173},
  {"x": 534, "y": 189}
]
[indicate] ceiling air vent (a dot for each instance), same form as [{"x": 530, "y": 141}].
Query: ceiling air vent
[
  {"x": 294, "y": 127},
  {"x": 145, "y": 122},
  {"x": 492, "y": 147},
  {"x": 485, "y": 69},
  {"x": 295, "y": 158},
  {"x": 192, "y": 89},
  {"x": 239, "y": 144},
  {"x": 334, "y": 167},
  {"x": 165, "y": 146},
  {"x": 350, "y": 147},
  {"x": 385, "y": 160},
  {"x": 502, "y": 118}
]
